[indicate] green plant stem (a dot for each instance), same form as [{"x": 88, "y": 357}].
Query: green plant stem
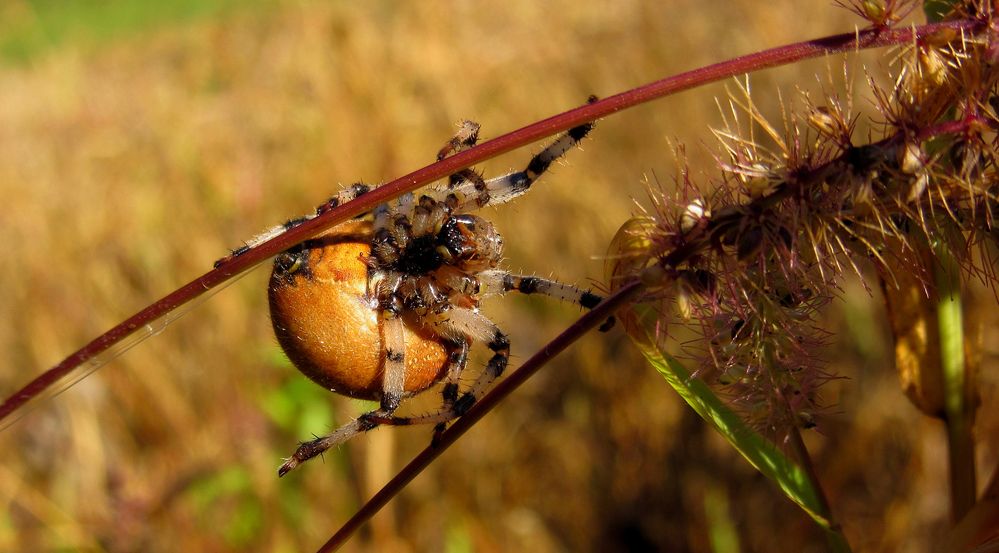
[
  {"x": 801, "y": 454},
  {"x": 959, "y": 413},
  {"x": 834, "y": 532}
]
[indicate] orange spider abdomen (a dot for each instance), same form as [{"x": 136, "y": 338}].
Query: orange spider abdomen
[{"x": 327, "y": 326}]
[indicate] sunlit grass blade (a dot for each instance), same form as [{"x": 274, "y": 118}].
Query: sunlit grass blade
[{"x": 764, "y": 455}]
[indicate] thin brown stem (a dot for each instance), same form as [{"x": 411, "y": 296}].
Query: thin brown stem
[{"x": 980, "y": 525}]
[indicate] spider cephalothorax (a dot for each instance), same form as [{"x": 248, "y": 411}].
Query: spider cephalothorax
[
  {"x": 386, "y": 308},
  {"x": 427, "y": 267}
]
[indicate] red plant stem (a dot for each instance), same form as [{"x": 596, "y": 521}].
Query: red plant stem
[
  {"x": 620, "y": 298},
  {"x": 752, "y": 62}
]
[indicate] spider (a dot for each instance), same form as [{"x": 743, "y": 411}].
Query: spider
[{"x": 382, "y": 309}]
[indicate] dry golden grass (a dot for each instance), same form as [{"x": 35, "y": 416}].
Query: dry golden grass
[{"x": 127, "y": 170}]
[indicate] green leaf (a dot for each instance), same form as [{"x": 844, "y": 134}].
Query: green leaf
[
  {"x": 299, "y": 406},
  {"x": 227, "y": 504},
  {"x": 760, "y": 452},
  {"x": 30, "y": 27}
]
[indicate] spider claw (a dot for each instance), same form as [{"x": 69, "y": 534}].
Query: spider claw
[
  {"x": 305, "y": 451},
  {"x": 287, "y": 466}
]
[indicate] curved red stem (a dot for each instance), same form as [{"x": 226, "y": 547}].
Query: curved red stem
[{"x": 752, "y": 62}]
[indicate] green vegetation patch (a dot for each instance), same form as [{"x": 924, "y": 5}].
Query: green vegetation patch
[{"x": 29, "y": 28}]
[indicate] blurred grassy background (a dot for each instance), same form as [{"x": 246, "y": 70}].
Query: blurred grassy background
[{"x": 140, "y": 141}]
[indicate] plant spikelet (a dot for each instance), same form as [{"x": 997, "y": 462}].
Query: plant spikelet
[{"x": 749, "y": 264}]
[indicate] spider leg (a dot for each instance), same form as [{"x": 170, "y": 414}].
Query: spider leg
[
  {"x": 344, "y": 196},
  {"x": 348, "y": 194},
  {"x": 457, "y": 360},
  {"x": 392, "y": 391},
  {"x": 395, "y": 362},
  {"x": 308, "y": 450},
  {"x": 473, "y": 194},
  {"x": 500, "y": 282},
  {"x": 470, "y": 324},
  {"x": 465, "y": 138},
  {"x": 391, "y": 232}
]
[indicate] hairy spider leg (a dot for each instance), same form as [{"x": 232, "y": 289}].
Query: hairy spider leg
[
  {"x": 498, "y": 281},
  {"x": 457, "y": 359},
  {"x": 472, "y": 325},
  {"x": 474, "y": 193},
  {"x": 465, "y": 138},
  {"x": 466, "y": 190},
  {"x": 308, "y": 450},
  {"x": 395, "y": 361},
  {"x": 476, "y": 325},
  {"x": 348, "y": 194}
]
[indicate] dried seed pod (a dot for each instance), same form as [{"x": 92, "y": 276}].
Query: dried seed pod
[
  {"x": 966, "y": 156},
  {"x": 918, "y": 186},
  {"x": 932, "y": 66},
  {"x": 701, "y": 281},
  {"x": 824, "y": 120},
  {"x": 805, "y": 419},
  {"x": 690, "y": 284},
  {"x": 876, "y": 11},
  {"x": 683, "y": 301},
  {"x": 631, "y": 250},
  {"x": 694, "y": 213},
  {"x": 760, "y": 188},
  {"x": 910, "y": 158},
  {"x": 862, "y": 197}
]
